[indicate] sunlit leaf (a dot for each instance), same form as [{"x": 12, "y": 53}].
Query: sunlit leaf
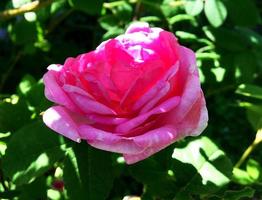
[
  {"x": 89, "y": 6},
  {"x": 216, "y": 12},
  {"x": 39, "y": 148},
  {"x": 242, "y": 177},
  {"x": 250, "y": 90},
  {"x": 194, "y": 7},
  {"x": 13, "y": 114},
  {"x": 88, "y": 173},
  {"x": 26, "y": 84},
  {"x": 253, "y": 169},
  {"x": 212, "y": 167}
]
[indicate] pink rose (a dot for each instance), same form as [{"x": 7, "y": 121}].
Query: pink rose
[{"x": 135, "y": 94}]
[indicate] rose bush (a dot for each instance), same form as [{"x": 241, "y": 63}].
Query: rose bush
[{"x": 135, "y": 94}]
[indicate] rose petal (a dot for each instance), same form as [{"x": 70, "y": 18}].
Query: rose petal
[
  {"x": 74, "y": 89},
  {"x": 59, "y": 119},
  {"x": 188, "y": 99},
  {"x": 88, "y": 105},
  {"x": 138, "y": 26},
  {"x": 196, "y": 119},
  {"x": 54, "y": 92},
  {"x": 135, "y": 122},
  {"x": 203, "y": 119},
  {"x": 163, "y": 92},
  {"x": 155, "y": 100},
  {"x": 153, "y": 141},
  {"x": 108, "y": 141},
  {"x": 106, "y": 120},
  {"x": 151, "y": 94}
]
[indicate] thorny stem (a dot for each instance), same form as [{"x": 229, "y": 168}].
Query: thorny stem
[
  {"x": 60, "y": 19},
  {"x": 137, "y": 10},
  {"x": 10, "y": 69},
  {"x": 249, "y": 150},
  {"x": 220, "y": 90},
  {"x": 29, "y": 7}
]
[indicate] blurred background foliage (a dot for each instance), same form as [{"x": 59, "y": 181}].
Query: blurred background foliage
[{"x": 223, "y": 163}]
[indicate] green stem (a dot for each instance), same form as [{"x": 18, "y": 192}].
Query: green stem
[
  {"x": 250, "y": 149},
  {"x": 29, "y": 7},
  {"x": 137, "y": 10}
]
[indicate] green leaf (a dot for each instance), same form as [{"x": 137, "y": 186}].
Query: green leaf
[
  {"x": 89, "y": 6},
  {"x": 13, "y": 114},
  {"x": 39, "y": 148},
  {"x": 216, "y": 12},
  {"x": 124, "y": 12},
  {"x": 186, "y": 36},
  {"x": 152, "y": 175},
  {"x": 36, "y": 97},
  {"x": 212, "y": 167},
  {"x": 253, "y": 169},
  {"x": 150, "y": 19},
  {"x": 9, "y": 194},
  {"x": 34, "y": 93},
  {"x": 168, "y": 8},
  {"x": 254, "y": 114},
  {"x": 26, "y": 83},
  {"x": 182, "y": 17},
  {"x": 34, "y": 190},
  {"x": 219, "y": 73},
  {"x": 108, "y": 22},
  {"x": 228, "y": 39},
  {"x": 113, "y": 32},
  {"x": 23, "y": 32},
  {"x": 237, "y": 11},
  {"x": 246, "y": 192},
  {"x": 250, "y": 90},
  {"x": 57, "y": 5},
  {"x": 88, "y": 173},
  {"x": 253, "y": 38},
  {"x": 242, "y": 177},
  {"x": 246, "y": 66},
  {"x": 194, "y": 7}
]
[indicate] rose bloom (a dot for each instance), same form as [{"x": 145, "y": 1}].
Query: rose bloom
[{"x": 135, "y": 94}]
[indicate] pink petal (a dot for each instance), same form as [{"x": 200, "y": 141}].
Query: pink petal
[
  {"x": 155, "y": 100},
  {"x": 58, "y": 119},
  {"x": 54, "y": 92},
  {"x": 153, "y": 96},
  {"x": 203, "y": 118},
  {"x": 149, "y": 95},
  {"x": 188, "y": 98},
  {"x": 71, "y": 88},
  {"x": 196, "y": 119},
  {"x": 138, "y": 26},
  {"x": 88, "y": 105},
  {"x": 100, "y": 119},
  {"x": 122, "y": 73},
  {"x": 140, "y": 119},
  {"x": 153, "y": 141},
  {"x": 140, "y": 85},
  {"x": 108, "y": 141}
]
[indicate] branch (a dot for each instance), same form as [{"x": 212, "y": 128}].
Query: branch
[
  {"x": 251, "y": 148},
  {"x": 137, "y": 10},
  {"x": 10, "y": 69},
  {"x": 29, "y": 7}
]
